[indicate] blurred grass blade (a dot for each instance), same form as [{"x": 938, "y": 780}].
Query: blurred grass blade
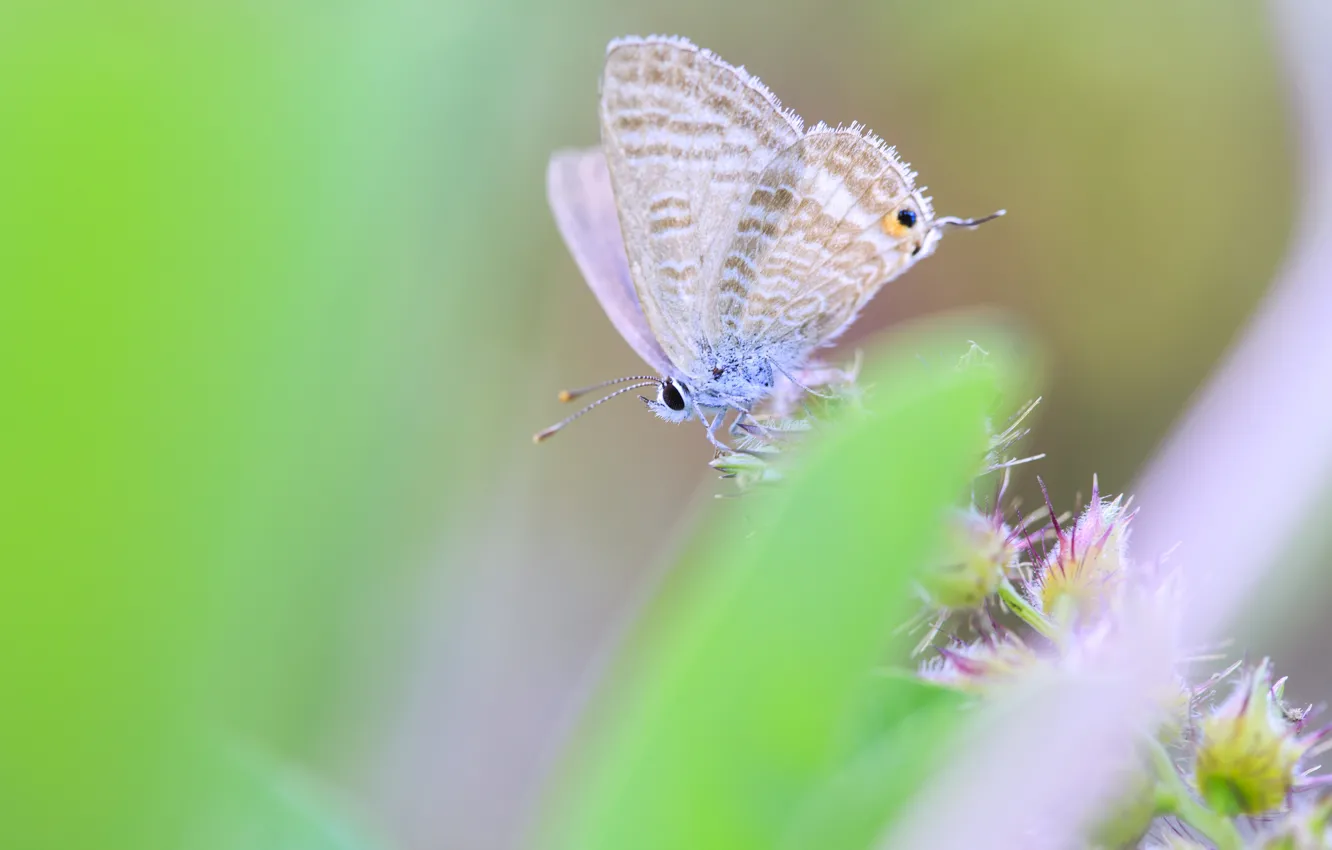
[
  {"x": 885, "y": 697},
  {"x": 263, "y": 804},
  {"x": 731, "y": 704},
  {"x": 914, "y": 721},
  {"x": 211, "y": 365}
]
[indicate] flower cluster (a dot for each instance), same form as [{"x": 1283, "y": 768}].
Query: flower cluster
[{"x": 1231, "y": 773}]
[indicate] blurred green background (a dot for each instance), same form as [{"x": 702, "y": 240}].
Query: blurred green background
[{"x": 282, "y": 304}]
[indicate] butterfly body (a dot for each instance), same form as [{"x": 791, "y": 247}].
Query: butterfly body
[
  {"x": 731, "y": 375},
  {"x": 725, "y": 241}
]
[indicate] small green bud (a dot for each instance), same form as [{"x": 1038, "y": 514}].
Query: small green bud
[
  {"x": 748, "y": 469},
  {"x": 1175, "y": 711},
  {"x": 1247, "y": 753},
  {"x": 979, "y": 551},
  {"x": 739, "y": 464}
]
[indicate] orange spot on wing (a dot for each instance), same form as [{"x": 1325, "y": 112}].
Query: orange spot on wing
[{"x": 891, "y": 226}]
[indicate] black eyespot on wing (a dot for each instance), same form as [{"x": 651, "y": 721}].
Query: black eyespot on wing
[
  {"x": 906, "y": 218},
  {"x": 916, "y": 250},
  {"x": 671, "y": 396}
]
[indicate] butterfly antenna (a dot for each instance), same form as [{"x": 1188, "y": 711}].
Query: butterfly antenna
[
  {"x": 570, "y": 395},
  {"x": 953, "y": 221},
  {"x": 542, "y": 435}
]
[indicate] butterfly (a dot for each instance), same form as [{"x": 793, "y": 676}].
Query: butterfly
[{"x": 725, "y": 241}]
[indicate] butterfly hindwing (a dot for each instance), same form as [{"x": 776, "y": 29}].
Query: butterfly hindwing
[
  {"x": 816, "y": 241},
  {"x": 578, "y": 188}
]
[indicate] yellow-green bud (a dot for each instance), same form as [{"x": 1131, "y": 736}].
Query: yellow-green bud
[
  {"x": 1175, "y": 710},
  {"x": 1247, "y": 752},
  {"x": 979, "y": 552}
]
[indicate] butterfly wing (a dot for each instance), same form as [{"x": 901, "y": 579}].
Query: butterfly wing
[
  {"x": 578, "y": 188},
  {"x": 817, "y": 239},
  {"x": 686, "y": 138}
]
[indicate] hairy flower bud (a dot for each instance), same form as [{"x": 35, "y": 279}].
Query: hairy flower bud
[
  {"x": 1083, "y": 573},
  {"x": 1175, "y": 704},
  {"x": 979, "y": 551},
  {"x": 983, "y": 665},
  {"x": 1248, "y": 752}
]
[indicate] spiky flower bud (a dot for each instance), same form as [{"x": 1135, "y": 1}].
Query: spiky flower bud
[
  {"x": 748, "y": 469},
  {"x": 1176, "y": 710},
  {"x": 1248, "y": 752},
  {"x": 981, "y": 666},
  {"x": 979, "y": 551},
  {"x": 1083, "y": 573}
]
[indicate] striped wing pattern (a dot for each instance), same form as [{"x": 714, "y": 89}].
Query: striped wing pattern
[
  {"x": 686, "y": 138},
  {"x": 817, "y": 239}
]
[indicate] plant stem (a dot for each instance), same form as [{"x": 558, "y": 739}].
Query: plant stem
[
  {"x": 1173, "y": 797},
  {"x": 1025, "y": 611}
]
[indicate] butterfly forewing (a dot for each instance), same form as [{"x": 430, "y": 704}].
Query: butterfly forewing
[
  {"x": 811, "y": 246},
  {"x": 579, "y": 190},
  {"x": 686, "y": 138}
]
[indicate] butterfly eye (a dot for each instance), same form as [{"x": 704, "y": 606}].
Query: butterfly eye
[
  {"x": 906, "y": 218},
  {"x": 670, "y": 396}
]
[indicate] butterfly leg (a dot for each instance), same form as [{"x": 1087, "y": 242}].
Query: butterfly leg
[
  {"x": 712, "y": 427},
  {"x": 738, "y": 429},
  {"x": 712, "y": 431}
]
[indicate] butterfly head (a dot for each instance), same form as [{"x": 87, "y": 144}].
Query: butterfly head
[{"x": 674, "y": 402}]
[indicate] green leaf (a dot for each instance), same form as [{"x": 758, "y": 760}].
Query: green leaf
[
  {"x": 737, "y": 699},
  {"x": 262, "y": 804},
  {"x": 212, "y": 367},
  {"x": 886, "y": 698},
  {"x": 850, "y": 808}
]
